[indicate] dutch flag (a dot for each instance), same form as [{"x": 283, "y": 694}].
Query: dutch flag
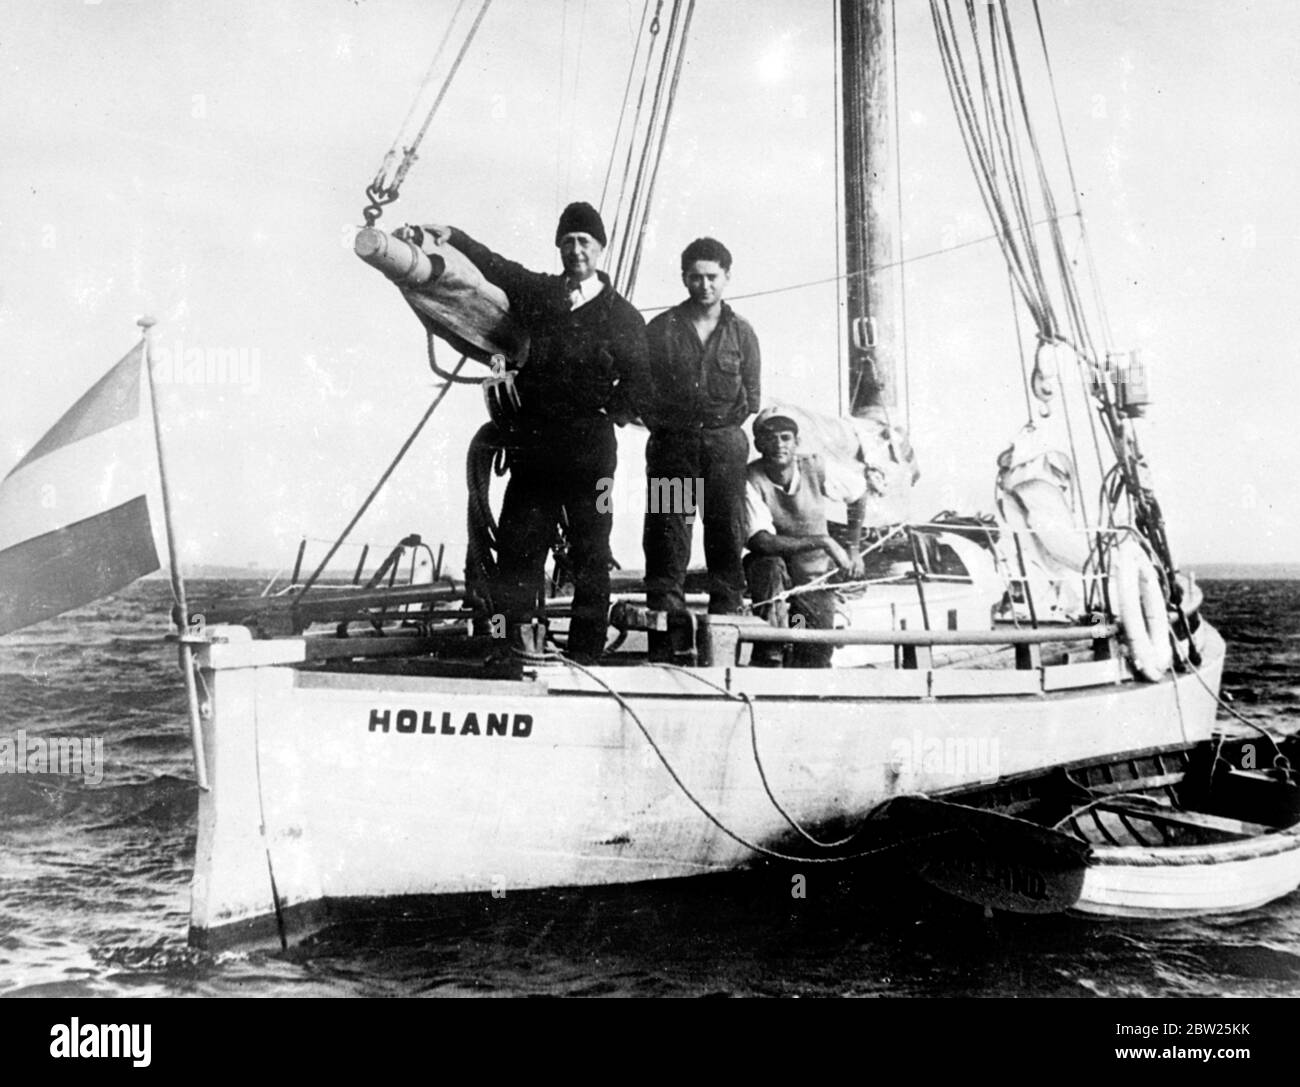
[{"x": 74, "y": 512}]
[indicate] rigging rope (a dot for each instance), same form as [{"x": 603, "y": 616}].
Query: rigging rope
[
  {"x": 442, "y": 392},
  {"x": 569, "y": 95},
  {"x": 382, "y": 191},
  {"x": 1015, "y": 318},
  {"x": 659, "y": 151},
  {"x": 1271, "y": 737},
  {"x": 1074, "y": 185},
  {"x": 977, "y": 154},
  {"x": 622, "y": 109},
  {"x": 930, "y": 254},
  {"x": 1067, "y": 281},
  {"x": 638, "y": 209},
  {"x": 634, "y": 196},
  {"x": 1002, "y": 78},
  {"x": 1005, "y": 136},
  {"x": 426, "y": 81},
  {"x": 452, "y": 376},
  {"x": 629, "y": 224},
  {"x": 616, "y": 230}
]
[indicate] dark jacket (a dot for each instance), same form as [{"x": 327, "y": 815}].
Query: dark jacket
[
  {"x": 581, "y": 363},
  {"x": 702, "y": 385}
]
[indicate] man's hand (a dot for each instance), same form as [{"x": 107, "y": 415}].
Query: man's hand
[
  {"x": 838, "y": 555},
  {"x": 439, "y": 235},
  {"x": 848, "y": 561}
]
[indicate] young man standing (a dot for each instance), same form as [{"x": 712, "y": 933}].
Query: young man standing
[
  {"x": 586, "y": 371},
  {"x": 704, "y": 363}
]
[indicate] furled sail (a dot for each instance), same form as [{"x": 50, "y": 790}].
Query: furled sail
[
  {"x": 448, "y": 294},
  {"x": 868, "y": 443},
  {"x": 1035, "y": 492}
]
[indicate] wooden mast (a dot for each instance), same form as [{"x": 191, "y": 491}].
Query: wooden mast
[{"x": 869, "y": 196}]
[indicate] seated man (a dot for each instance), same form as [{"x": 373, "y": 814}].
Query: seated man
[{"x": 789, "y": 542}]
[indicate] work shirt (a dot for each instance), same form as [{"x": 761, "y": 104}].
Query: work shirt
[
  {"x": 584, "y": 362},
  {"x": 696, "y": 384}
]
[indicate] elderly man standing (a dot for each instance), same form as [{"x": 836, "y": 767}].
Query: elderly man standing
[
  {"x": 587, "y": 370},
  {"x": 789, "y": 540},
  {"x": 704, "y": 361}
]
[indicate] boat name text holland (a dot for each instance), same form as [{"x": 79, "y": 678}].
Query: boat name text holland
[{"x": 411, "y": 721}]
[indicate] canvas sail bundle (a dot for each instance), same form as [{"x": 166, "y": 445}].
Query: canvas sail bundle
[
  {"x": 1035, "y": 494},
  {"x": 448, "y": 294},
  {"x": 870, "y": 444}
]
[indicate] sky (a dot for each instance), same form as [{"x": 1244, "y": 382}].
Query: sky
[{"x": 205, "y": 164}]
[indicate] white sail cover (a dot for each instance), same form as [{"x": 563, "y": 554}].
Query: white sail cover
[
  {"x": 463, "y": 308},
  {"x": 448, "y": 294},
  {"x": 870, "y": 444},
  {"x": 1035, "y": 490}
]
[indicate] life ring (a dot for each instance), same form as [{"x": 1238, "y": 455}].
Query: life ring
[{"x": 1141, "y": 610}]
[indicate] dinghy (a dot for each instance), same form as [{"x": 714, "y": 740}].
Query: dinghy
[{"x": 1166, "y": 834}]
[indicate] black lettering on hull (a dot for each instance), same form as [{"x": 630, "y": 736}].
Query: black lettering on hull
[{"x": 435, "y": 723}]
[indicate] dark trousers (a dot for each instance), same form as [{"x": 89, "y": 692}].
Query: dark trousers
[
  {"x": 675, "y": 460},
  {"x": 768, "y": 576},
  {"x": 569, "y": 473}
]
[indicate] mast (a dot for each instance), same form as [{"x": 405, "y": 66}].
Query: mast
[{"x": 870, "y": 192}]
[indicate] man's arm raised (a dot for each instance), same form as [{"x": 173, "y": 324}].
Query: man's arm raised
[{"x": 517, "y": 281}]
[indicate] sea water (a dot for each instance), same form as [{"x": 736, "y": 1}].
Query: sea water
[{"x": 94, "y": 877}]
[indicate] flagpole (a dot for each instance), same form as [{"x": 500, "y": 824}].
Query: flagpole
[{"x": 181, "y": 614}]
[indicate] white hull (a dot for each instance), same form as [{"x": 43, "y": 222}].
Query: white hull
[
  {"x": 1135, "y": 883},
  {"x": 304, "y": 789}
]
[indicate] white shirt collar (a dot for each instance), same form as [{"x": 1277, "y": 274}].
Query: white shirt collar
[{"x": 585, "y": 291}]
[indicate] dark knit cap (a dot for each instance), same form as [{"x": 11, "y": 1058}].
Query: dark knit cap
[{"x": 582, "y": 218}]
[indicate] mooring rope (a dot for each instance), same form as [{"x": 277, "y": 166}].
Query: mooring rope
[
  {"x": 697, "y": 803},
  {"x": 758, "y": 759},
  {"x": 1271, "y": 737}
]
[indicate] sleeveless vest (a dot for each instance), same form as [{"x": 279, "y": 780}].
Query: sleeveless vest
[{"x": 800, "y": 514}]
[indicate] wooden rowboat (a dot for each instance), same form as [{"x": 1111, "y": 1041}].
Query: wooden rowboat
[{"x": 1207, "y": 829}]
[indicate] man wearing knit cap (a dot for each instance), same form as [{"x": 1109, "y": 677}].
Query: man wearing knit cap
[
  {"x": 790, "y": 543},
  {"x": 704, "y": 363},
  {"x": 586, "y": 371}
]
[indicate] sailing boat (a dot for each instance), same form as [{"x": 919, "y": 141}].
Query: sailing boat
[{"x": 414, "y": 760}]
